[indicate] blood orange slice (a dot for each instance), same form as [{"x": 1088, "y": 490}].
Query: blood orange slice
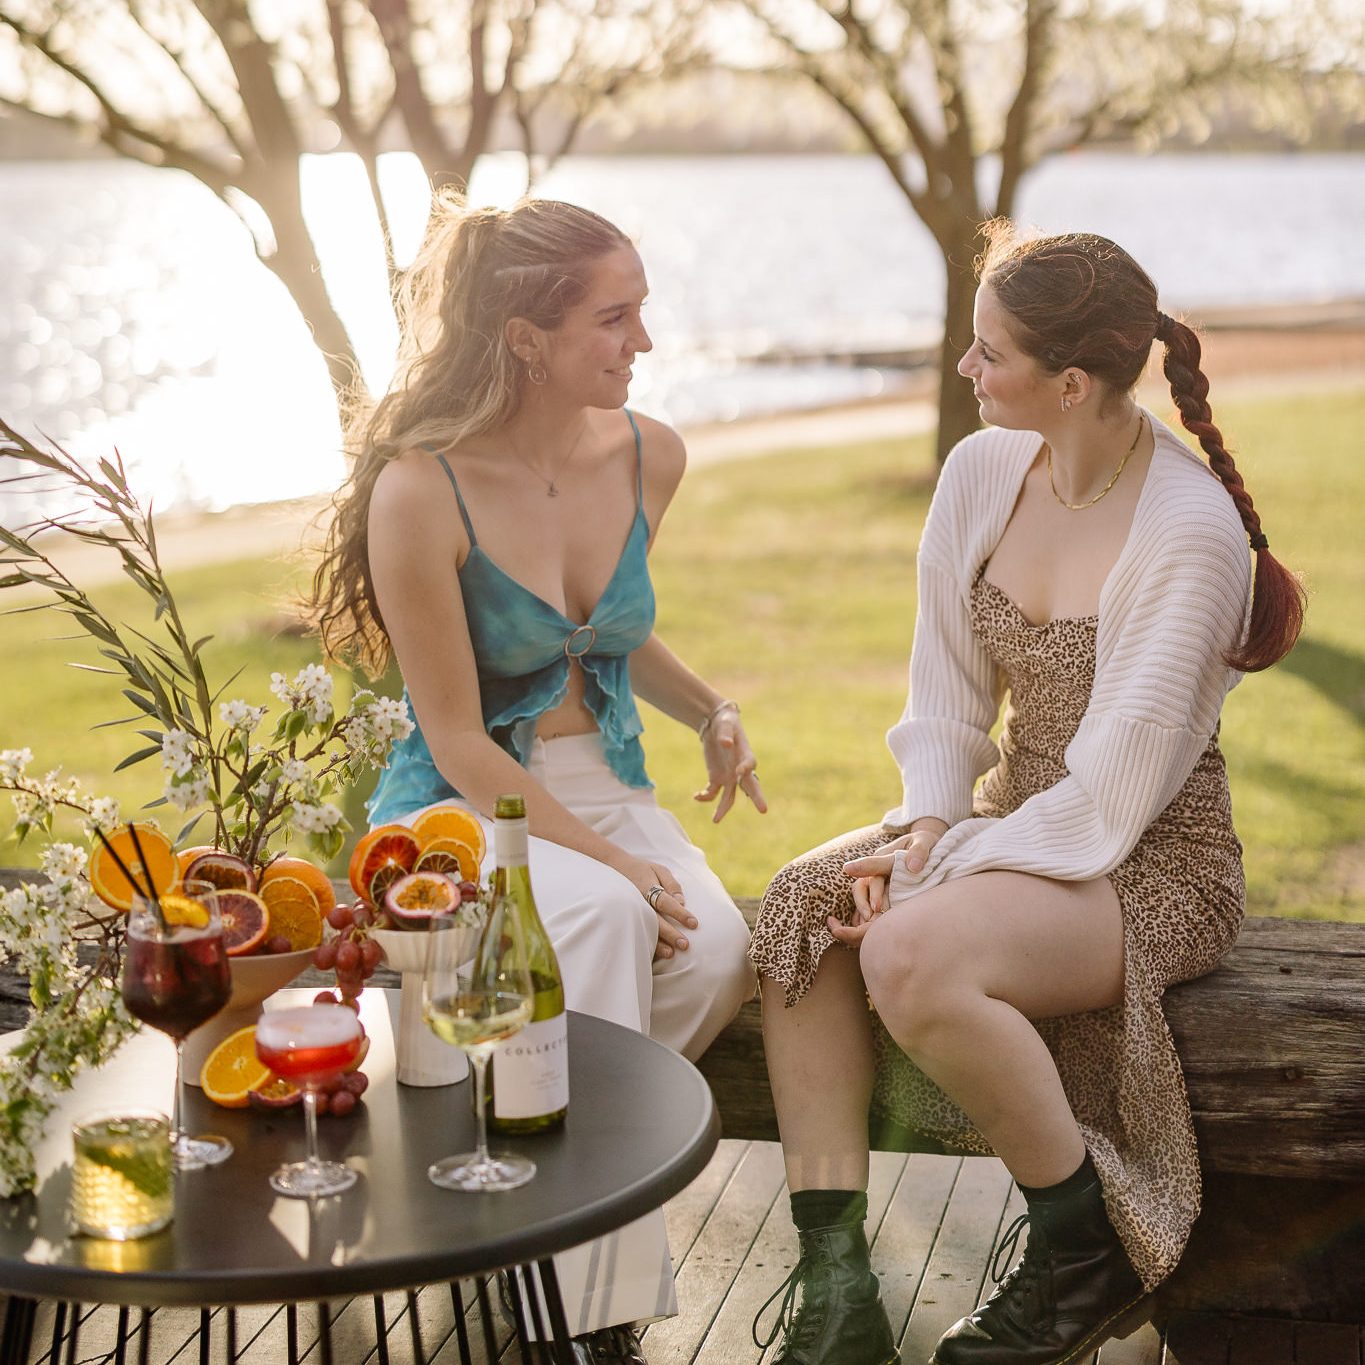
[
  {"x": 450, "y": 822},
  {"x": 226, "y": 871},
  {"x": 380, "y": 858},
  {"x": 452, "y": 856},
  {"x": 246, "y": 921}
]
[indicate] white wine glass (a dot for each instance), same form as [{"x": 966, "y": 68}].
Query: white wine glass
[{"x": 473, "y": 1000}]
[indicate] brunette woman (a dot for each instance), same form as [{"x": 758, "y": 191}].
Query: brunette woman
[
  {"x": 1015, "y": 937},
  {"x": 493, "y": 536}
]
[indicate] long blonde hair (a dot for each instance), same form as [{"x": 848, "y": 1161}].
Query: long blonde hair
[{"x": 455, "y": 377}]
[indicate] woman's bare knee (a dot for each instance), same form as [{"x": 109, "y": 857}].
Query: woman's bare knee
[{"x": 909, "y": 970}]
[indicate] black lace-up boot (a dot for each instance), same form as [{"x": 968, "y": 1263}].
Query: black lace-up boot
[
  {"x": 1074, "y": 1288},
  {"x": 840, "y": 1320}
]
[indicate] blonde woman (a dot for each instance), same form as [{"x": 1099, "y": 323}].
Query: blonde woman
[{"x": 493, "y": 537}]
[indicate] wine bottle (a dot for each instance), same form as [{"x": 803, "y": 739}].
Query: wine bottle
[{"x": 528, "y": 1083}]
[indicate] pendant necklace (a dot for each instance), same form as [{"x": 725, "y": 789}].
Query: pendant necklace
[
  {"x": 1079, "y": 506},
  {"x": 551, "y": 481}
]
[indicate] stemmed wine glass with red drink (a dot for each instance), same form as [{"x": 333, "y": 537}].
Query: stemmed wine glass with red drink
[
  {"x": 310, "y": 1045},
  {"x": 175, "y": 977}
]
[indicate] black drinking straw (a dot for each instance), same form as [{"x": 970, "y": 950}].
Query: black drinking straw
[{"x": 127, "y": 871}]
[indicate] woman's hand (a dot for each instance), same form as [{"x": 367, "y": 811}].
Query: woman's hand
[
  {"x": 730, "y": 764},
  {"x": 872, "y": 873},
  {"x": 661, "y": 889}
]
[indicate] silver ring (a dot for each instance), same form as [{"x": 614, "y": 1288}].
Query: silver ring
[{"x": 653, "y": 894}]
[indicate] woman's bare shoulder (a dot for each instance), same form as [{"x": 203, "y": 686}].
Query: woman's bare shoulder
[
  {"x": 411, "y": 484},
  {"x": 662, "y": 450}
]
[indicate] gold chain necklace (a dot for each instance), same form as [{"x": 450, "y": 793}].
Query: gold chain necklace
[
  {"x": 1080, "y": 506},
  {"x": 550, "y": 482}
]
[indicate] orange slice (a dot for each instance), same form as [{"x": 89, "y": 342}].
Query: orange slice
[
  {"x": 107, "y": 879},
  {"x": 384, "y": 854},
  {"x": 311, "y": 874},
  {"x": 294, "y": 911},
  {"x": 454, "y": 857},
  {"x": 182, "y": 910},
  {"x": 451, "y": 822},
  {"x": 232, "y": 1070},
  {"x": 246, "y": 921}
]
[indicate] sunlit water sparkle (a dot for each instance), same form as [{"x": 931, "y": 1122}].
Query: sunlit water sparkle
[{"x": 133, "y": 313}]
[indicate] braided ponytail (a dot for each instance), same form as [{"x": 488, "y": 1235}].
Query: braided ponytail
[{"x": 1278, "y": 597}]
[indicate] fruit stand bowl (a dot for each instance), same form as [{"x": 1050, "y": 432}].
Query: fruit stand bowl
[
  {"x": 254, "y": 977},
  {"x": 423, "y": 1059}
]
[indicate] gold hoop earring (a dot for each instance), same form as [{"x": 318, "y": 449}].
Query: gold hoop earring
[{"x": 536, "y": 372}]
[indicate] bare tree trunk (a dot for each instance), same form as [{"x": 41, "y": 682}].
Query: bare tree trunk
[
  {"x": 295, "y": 262},
  {"x": 957, "y": 409}
]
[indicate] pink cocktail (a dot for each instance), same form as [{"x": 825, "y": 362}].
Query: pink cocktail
[{"x": 309, "y": 1045}]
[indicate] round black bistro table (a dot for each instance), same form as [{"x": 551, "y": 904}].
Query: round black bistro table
[{"x": 641, "y": 1126}]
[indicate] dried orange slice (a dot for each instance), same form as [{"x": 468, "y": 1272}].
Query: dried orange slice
[
  {"x": 232, "y": 1070},
  {"x": 451, "y": 822},
  {"x": 294, "y": 911},
  {"x": 311, "y": 874},
  {"x": 382, "y": 855},
  {"x": 226, "y": 871},
  {"x": 246, "y": 921},
  {"x": 454, "y": 857},
  {"x": 107, "y": 879}
]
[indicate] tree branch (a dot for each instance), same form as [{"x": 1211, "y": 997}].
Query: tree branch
[{"x": 1014, "y": 144}]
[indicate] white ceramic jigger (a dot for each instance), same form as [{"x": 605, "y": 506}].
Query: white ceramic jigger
[{"x": 423, "y": 1059}]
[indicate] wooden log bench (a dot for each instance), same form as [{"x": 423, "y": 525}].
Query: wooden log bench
[{"x": 1273, "y": 1046}]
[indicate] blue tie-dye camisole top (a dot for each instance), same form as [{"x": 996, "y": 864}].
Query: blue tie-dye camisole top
[{"x": 523, "y": 647}]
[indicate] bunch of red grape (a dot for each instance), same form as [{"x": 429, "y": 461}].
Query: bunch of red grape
[
  {"x": 341, "y": 1094},
  {"x": 351, "y": 953}
]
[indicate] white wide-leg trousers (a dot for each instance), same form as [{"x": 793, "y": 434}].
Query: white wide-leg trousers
[{"x": 604, "y": 934}]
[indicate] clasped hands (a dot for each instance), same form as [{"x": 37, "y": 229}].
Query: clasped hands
[{"x": 871, "y": 875}]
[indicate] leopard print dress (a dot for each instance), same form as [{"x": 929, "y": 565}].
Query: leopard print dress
[{"x": 1181, "y": 895}]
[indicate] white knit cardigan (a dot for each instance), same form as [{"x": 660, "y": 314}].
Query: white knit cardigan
[{"x": 1175, "y": 601}]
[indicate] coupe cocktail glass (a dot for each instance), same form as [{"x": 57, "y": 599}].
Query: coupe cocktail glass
[{"x": 310, "y": 1045}]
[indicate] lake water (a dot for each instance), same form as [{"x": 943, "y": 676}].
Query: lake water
[{"x": 134, "y": 314}]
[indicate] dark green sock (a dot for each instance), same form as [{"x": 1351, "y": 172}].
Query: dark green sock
[
  {"x": 1080, "y": 1179},
  {"x": 828, "y": 1208}
]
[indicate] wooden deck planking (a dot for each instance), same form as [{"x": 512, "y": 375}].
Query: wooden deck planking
[
  {"x": 957, "y": 1263},
  {"x": 908, "y": 1231},
  {"x": 933, "y": 1222},
  {"x": 719, "y": 1250}
]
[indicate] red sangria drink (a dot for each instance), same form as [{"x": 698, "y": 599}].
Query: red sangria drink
[
  {"x": 309, "y": 1045},
  {"x": 175, "y": 977},
  {"x": 176, "y": 984}
]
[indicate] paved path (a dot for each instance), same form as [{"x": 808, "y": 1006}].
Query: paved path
[{"x": 1260, "y": 364}]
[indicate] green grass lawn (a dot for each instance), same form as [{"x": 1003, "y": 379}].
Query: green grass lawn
[{"x": 788, "y": 581}]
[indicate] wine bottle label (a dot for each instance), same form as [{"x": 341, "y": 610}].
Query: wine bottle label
[{"x": 531, "y": 1070}]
